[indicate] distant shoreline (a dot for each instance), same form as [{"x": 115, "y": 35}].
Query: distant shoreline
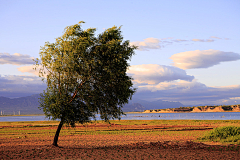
[
  {"x": 124, "y": 113},
  {"x": 23, "y": 115},
  {"x": 174, "y": 112},
  {"x": 191, "y": 112},
  {"x": 198, "y": 109}
]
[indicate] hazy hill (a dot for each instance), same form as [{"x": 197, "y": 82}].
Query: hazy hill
[
  {"x": 159, "y": 104},
  {"x": 26, "y": 105},
  {"x": 29, "y": 105},
  {"x": 134, "y": 107}
]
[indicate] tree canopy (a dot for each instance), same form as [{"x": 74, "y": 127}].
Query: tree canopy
[{"x": 85, "y": 75}]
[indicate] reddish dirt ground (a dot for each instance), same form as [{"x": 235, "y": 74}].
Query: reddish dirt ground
[{"x": 115, "y": 147}]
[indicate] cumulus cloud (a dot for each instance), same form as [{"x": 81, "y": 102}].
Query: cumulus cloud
[
  {"x": 154, "y": 82},
  {"x": 15, "y": 59},
  {"x": 29, "y": 69},
  {"x": 20, "y": 86},
  {"x": 154, "y": 74},
  {"x": 148, "y": 43},
  {"x": 232, "y": 100},
  {"x": 202, "y": 59},
  {"x": 182, "y": 85},
  {"x": 189, "y": 93}
]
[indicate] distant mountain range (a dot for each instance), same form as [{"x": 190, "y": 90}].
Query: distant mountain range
[
  {"x": 30, "y": 104},
  {"x": 26, "y": 105},
  {"x": 136, "y": 105}
]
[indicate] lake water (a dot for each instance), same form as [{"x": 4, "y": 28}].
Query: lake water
[{"x": 147, "y": 116}]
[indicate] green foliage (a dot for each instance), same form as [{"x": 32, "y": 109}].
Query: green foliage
[
  {"x": 223, "y": 134},
  {"x": 85, "y": 75},
  {"x": 227, "y": 108}
]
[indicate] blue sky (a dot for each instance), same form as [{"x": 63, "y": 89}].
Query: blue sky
[{"x": 188, "y": 50}]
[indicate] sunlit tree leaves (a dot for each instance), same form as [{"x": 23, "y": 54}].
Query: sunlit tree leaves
[{"x": 85, "y": 75}]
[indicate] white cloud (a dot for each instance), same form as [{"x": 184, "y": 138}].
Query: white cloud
[
  {"x": 155, "y": 82},
  {"x": 154, "y": 74},
  {"x": 148, "y": 43},
  {"x": 180, "y": 40},
  {"x": 189, "y": 93},
  {"x": 215, "y": 37},
  {"x": 15, "y": 59},
  {"x": 235, "y": 98},
  {"x": 28, "y": 69},
  {"x": 202, "y": 59},
  {"x": 20, "y": 86},
  {"x": 173, "y": 85},
  {"x": 202, "y": 40},
  {"x": 158, "y": 43}
]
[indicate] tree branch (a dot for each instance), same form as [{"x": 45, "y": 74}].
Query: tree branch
[{"x": 75, "y": 93}]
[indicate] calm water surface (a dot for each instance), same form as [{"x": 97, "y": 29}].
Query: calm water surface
[{"x": 146, "y": 116}]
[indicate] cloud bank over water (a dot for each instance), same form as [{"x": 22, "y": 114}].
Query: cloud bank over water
[
  {"x": 170, "y": 83},
  {"x": 15, "y": 59},
  {"x": 189, "y": 93},
  {"x": 20, "y": 86}
]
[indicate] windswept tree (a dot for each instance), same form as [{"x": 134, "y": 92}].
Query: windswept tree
[{"x": 85, "y": 75}]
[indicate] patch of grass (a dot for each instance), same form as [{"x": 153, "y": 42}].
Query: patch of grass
[
  {"x": 214, "y": 123},
  {"x": 39, "y": 129},
  {"x": 223, "y": 134},
  {"x": 130, "y": 122},
  {"x": 28, "y": 123}
]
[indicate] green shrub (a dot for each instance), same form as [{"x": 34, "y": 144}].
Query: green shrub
[{"x": 223, "y": 134}]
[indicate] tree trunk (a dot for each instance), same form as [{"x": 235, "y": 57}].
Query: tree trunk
[{"x": 57, "y": 134}]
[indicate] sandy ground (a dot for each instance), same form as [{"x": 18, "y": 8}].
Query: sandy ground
[{"x": 114, "y": 147}]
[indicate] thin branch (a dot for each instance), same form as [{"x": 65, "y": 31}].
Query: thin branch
[{"x": 75, "y": 93}]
